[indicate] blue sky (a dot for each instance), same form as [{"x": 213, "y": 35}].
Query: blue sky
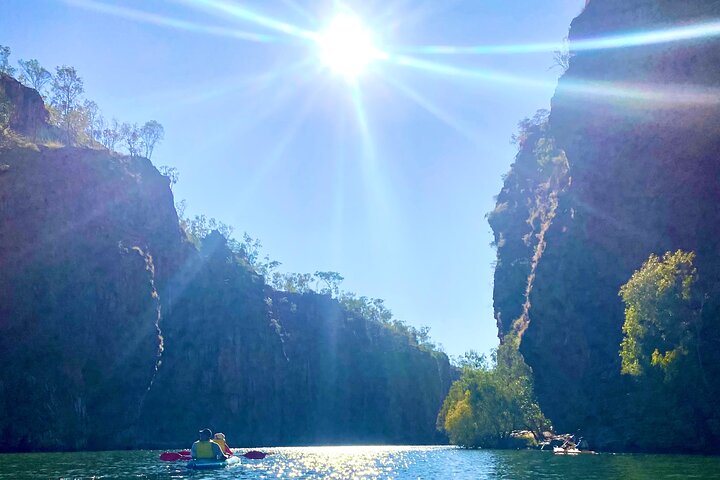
[{"x": 269, "y": 141}]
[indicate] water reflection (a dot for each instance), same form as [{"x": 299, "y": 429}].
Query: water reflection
[{"x": 366, "y": 462}]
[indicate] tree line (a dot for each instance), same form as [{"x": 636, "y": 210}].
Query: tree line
[
  {"x": 78, "y": 119},
  {"x": 248, "y": 251}
]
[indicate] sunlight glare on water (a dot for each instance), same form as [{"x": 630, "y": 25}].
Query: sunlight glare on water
[{"x": 365, "y": 462}]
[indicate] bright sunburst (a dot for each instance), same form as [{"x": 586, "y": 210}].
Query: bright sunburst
[{"x": 346, "y": 47}]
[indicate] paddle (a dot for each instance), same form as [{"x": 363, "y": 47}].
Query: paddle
[
  {"x": 174, "y": 456},
  {"x": 255, "y": 455},
  {"x": 185, "y": 455}
]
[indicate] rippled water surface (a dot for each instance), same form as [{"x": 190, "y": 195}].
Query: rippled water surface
[{"x": 366, "y": 462}]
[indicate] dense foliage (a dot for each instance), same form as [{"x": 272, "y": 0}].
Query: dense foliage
[
  {"x": 667, "y": 347},
  {"x": 662, "y": 315},
  {"x": 492, "y": 400}
]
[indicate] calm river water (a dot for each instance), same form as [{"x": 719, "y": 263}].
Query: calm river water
[{"x": 366, "y": 462}]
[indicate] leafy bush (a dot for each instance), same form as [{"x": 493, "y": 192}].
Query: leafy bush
[
  {"x": 489, "y": 402},
  {"x": 662, "y": 314}
]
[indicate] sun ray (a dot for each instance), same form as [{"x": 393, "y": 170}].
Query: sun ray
[
  {"x": 650, "y": 95},
  {"x": 361, "y": 118},
  {"x": 250, "y": 85},
  {"x": 293, "y": 5},
  {"x": 255, "y": 105},
  {"x": 625, "y": 40},
  {"x": 232, "y": 10},
  {"x": 455, "y": 71},
  {"x": 281, "y": 145},
  {"x": 339, "y": 141},
  {"x": 431, "y": 108},
  {"x": 162, "y": 21},
  {"x": 379, "y": 203},
  {"x": 410, "y": 12},
  {"x": 659, "y": 95}
]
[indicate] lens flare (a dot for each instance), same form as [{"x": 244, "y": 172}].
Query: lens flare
[
  {"x": 163, "y": 21},
  {"x": 346, "y": 47},
  {"x": 606, "y": 42}
]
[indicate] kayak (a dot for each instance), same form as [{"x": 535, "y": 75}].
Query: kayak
[
  {"x": 571, "y": 451},
  {"x": 211, "y": 463},
  {"x": 184, "y": 455},
  {"x": 566, "y": 451}
]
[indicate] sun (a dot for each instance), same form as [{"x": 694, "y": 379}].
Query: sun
[{"x": 346, "y": 47}]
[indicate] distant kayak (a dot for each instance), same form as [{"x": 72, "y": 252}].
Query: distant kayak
[
  {"x": 566, "y": 451},
  {"x": 212, "y": 464},
  {"x": 571, "y": 451}
]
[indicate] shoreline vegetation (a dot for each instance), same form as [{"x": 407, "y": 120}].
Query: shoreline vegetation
[{"x": 492, "y": 405}]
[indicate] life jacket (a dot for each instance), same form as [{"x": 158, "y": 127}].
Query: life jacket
[
  {"x": 223, "y": 445},
  {"x": 204, "y": 449}
]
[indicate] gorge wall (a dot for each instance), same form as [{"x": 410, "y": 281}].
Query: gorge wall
[
  {"x": 117, "y": 332},
  {"x": 640, "y": 128}
]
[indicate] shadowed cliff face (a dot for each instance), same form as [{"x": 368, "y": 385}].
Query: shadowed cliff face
[
  {"x": 116, "y": 332},
  {"x": 269, "y": 367},
  {"x": 645, "y": 177},
  {"x": 26, "y": 111},
  {"x": 78, "y": 308}
]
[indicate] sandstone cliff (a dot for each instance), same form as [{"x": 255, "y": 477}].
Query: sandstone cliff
[
  {"x": 116, "y": 332},
  {"x": 640, "y": 129}
]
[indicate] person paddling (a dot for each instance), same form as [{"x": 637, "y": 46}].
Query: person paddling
[
  {"x": 205, "y": 448},
  {"x": 219, "y": 438}
]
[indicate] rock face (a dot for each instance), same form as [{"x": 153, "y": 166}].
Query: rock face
[
  {"x": 640, "y": 129},
  {"x": 270, "y": 367},
  {"x": 78, "y": 307},
  {"x": 116, "y": 332},
  {"x": 27, "y": 113},
  {"x": 525, "y": 208}
]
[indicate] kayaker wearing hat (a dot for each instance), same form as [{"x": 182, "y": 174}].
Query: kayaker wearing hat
[
  {"x": 219, "y": 438},
  {"x": 205, "y": 448}
]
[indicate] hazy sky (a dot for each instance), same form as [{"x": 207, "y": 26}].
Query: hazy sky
[{"x": 387, "y": 182}]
